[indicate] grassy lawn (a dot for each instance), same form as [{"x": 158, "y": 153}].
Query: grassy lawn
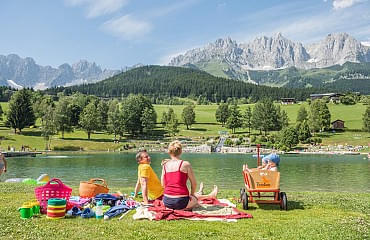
[
  {"x": 311, "y": 215},
  {"x": 205, "y": 126}
]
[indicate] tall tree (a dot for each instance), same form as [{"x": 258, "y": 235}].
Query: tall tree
[
  {"x": 222, "y": 113},
  {"x": 89, "y": 119},
  {"x": 48, "y": 127},
  {"x": 282, "y": 119},
  {"x": 188, "y": 116},
  {"x": 289, "y": 137},
  {"x": 132, "y": 109},
  {"x": 265, "y": 116},
  {"x": 302, "y": 114},
  {"x": 325, "y": 116},
  {"x": 303, "y": 131},
  {"x": 248, "y": 119},
  {"x": 1, "y": 113},
  {"x": 366, "y": 119},
  {"x": 102, "y": 108},
  {"x": 148, "y": 119},
  {"x": 63, "y": 116},
  {"x": 172, "y": 122},
  {"x": 234, "y": 120},
  {"x": 315, "y": 116},
  {"x": 41, "y": 105},
  {"x": 20, "y": 113},
  {"x": 115, "y": 122}
]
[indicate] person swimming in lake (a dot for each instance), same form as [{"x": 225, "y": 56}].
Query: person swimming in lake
[
  {"x": 175, "y": 173},
  {"x": 3, "y": 164}
]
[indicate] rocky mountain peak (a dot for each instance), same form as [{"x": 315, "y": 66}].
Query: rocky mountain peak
[
  {"x": 276, "y": 52},
  {"x": 25, "y": 72},
  {"x": 224, "y": 43}
]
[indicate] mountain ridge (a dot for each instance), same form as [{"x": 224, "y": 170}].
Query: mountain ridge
[
  {"x": 234, "y": 60},
  {"x": 24, "y": 72}
]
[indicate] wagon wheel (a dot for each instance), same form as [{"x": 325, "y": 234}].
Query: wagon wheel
[
  {"x": 245, "y": 200},
  {"x": 242, "y": 190},
  {"x": 283, "y": 201}
]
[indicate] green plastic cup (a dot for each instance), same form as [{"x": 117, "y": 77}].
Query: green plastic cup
[
  {"x": 36, "y": 209},
  {"x": 26, "y": 212}
]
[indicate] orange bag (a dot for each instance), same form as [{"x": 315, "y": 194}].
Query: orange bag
[{"x": 91, "y": 188}]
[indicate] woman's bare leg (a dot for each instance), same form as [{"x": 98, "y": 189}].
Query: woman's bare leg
[
  {"x": 201, "y": 186},
  {"x": 212, "y": 194}
]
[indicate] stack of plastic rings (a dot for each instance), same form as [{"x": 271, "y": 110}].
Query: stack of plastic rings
[{"x": 56, "y": 208}]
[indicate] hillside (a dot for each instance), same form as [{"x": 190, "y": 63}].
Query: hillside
[
  {"x": 346, "y": 77},
  {"x": 180, "y": 82}
]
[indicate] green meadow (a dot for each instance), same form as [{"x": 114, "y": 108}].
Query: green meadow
[
  {"x": 310, "y": 215},
  {"x": 205, "y": 126}
]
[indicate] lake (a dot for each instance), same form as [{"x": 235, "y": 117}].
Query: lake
[{"x": 343, "y": 173}]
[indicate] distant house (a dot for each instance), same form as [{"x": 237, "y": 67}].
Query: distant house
[
  {"x": 287, "y": 100},
  {"x": 337, "y": 124},
  {"x": 333, "y": 97}
]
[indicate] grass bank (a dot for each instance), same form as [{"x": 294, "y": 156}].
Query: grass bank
[
  {"x": 310, "y": 216},
  {"x": 206, "y": 126}
]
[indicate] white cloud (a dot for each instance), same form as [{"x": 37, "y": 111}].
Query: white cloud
[
  {"x": 127, "y": 27},
  {"x": 339, "y": 4},
  {"x": 97, "y": 8}
]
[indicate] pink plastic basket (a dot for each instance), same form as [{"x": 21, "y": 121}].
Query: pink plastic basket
[{"x": 52, "y": 190}]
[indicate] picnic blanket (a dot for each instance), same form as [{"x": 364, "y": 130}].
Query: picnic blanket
[{"x": 210, "y": 209}]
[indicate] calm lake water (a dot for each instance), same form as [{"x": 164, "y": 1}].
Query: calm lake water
[{"x": 298, "y": 172}]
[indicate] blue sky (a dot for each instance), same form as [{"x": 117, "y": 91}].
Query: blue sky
[{"x": 118, "y": 33}]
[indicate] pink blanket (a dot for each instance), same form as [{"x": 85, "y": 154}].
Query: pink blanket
[{"x": 161, "y": 212}]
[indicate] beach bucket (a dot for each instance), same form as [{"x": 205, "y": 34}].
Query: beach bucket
[
  {"x": 26, "y": 211},
  {"x": 56, "y": 208}
]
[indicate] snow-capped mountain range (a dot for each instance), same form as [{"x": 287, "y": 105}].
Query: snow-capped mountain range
[
  {"x": 232, "y": 59},
  {"x": 20, "y": 72}
]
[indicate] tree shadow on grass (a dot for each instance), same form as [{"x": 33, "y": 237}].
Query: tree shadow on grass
[
  {"x": 198, "y": 129},
  {"x": 5, "y": 138},
  {"x": 31, "y": 134},
  {"x": 91, "y": 139}
]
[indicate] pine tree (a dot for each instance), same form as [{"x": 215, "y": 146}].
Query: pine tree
[
  {"x": 303, "y": 131},
  {"x": 188, "y": 116},
  {"x": 172, "y": 122},
  {"x": 234, "y": 120},
  {"x": 222, "y": 113},
  {"x": 20, "y": 113},
  {"x": 248, "y": 119},
  {"x": 302, "y": 114},
  {"x": 325, "y": 116},
  {"x": 366, "y": 119}
]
